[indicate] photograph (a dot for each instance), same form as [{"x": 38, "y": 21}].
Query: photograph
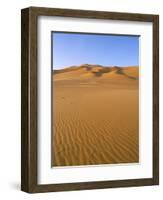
[
  {"x": 89, "y": 99},
  {"x": 95, "y": 99}
]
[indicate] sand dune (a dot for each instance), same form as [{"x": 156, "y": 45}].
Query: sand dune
[{"x": 95, "y": 115}]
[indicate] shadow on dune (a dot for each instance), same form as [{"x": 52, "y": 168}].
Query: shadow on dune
[
  {"x": 102, "y": 71},
  {"x": 118, "y": 70},
  {"x": 121, "y": 72}
]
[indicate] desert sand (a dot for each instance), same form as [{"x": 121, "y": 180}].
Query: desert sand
[{"x": 95, "y": 115}]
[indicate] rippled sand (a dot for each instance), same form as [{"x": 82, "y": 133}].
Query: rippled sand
[{"x": 95, "y": 116}]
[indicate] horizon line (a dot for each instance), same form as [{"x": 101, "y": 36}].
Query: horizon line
[{"x": 82, "y": 65}]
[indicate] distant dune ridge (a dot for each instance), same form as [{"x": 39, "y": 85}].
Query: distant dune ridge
[
  {"x": 87, "y": 70},
  {"x": 95, "y": 115}
]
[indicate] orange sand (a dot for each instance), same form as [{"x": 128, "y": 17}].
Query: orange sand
[{"x": 95, "y": 115}]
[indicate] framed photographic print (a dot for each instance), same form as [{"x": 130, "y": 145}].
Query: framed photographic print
[{"x": 90, "y": 99}]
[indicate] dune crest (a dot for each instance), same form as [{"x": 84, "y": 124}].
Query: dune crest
[{"x": 98, "y": 71}]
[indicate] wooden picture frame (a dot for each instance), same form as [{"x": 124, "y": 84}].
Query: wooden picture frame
[{"x": 29, "y": 112}]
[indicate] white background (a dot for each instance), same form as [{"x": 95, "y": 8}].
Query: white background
[
  {"x": 10, "y": 98},
  {"x": 46, "y": 174}
]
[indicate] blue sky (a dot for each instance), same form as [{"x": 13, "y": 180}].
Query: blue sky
[{"x": 109, "y": 50}]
